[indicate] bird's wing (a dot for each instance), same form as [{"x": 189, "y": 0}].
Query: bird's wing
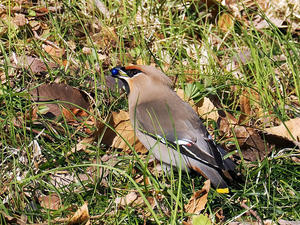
[{"x": 162, "y": 121}]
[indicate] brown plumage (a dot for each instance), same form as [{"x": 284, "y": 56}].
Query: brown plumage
[{"x": 169, "y": 127}]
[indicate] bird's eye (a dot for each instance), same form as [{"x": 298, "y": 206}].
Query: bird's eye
[
  {"x": 114, "y": 71},
  {"x": 132, "y": 72}
]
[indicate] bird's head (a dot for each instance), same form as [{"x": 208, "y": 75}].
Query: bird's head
[{"x": 140, "y": 77}]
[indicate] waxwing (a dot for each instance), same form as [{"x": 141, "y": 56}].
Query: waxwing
[{"x": 169, "y": 127}]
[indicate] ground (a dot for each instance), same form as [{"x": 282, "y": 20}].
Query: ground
[{"x": 66, "y": 141}]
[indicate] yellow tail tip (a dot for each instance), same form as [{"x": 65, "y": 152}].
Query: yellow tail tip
[{"x": 223, "y": 190}]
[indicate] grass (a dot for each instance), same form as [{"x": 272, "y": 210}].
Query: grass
[{"x": 182, "y": 38}]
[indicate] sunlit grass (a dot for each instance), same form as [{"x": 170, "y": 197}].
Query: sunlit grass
[{"x": 181, "y": 39}]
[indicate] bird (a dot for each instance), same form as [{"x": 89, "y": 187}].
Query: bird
[{"x": 169, "y": 127}]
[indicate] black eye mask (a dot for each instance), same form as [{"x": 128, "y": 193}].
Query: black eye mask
[{"x": 130, "y": 73}]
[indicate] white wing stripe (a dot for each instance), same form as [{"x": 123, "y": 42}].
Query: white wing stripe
[{"x": 182, "y": 143}]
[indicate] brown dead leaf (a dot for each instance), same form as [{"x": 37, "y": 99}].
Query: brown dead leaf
[
  {"x": 225, "y": 22},
  {"x": 106, "y": 38},
  {"x": 35, "y": 25},
  {"x": 13, "y": 220},
  {"x": 191, "y": 76},
  {"x": 81, "y": 216},
  {"x": 296, "y": 159},
  {"x": 86, "y": 50},
  {"x": 289, "y": 130},
  {"x": 51, "y": 201},
  {"x": 207, "y": 110},
  {"x": 286, "y": 222},
  {"x": 241, "y": 134},
  {"x": 199, "y": 199},
  {"x": 62, "y": 178},
  {"x": 41, "y": 11},
  {"x": 54, "y": 52},
  {"x": 32, "y": 64},
  {"x": 251, "y": 108},
  {"x": 205, "y": 107},
  {"x": 245, "y": 107},
  {"x": 2, "y": 77},
  {"x": 127, "y": 200},
  {"x": 61, "y": 92},
  {"x": 20, "y": 19},
  {"x": 253, "y": 146},
  {"x": 96, "y": 173},
  {"x": 82, "y": 145},
  {"x": 219, "y": 215},
  {"x": 184, "y": 97},
  {"x": 121, "y": 123}
]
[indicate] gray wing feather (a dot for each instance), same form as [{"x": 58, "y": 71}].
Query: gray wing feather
[{"x": 188, "y": 128}]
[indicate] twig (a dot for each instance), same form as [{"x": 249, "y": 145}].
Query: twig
[
  {"x": 44, "y": 40},
  {"x": 252, "y": 212},
  {"x": 34, "y": 131}
]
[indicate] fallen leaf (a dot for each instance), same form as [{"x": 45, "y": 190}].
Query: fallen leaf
[
  {"x": 205, "y": 107},
  {"x": 199, "y": 199},
  {"x": 184, "y": 97},
  {"x": 191, "y": 76},
  {"x": 245, "y": 106},
  {"x": 54, "y": 52},
  {"x": 35, "y": 25},
  {"x": 61, "y": 92},
  {"x": 81, "y": 216},
  {"x": 62, "y": 178},
  {"x": 187, "y": 222},
  {"x": 82, "y": 145},
  {"x": 41, "y": 11},
  {"x": 127, "y": 200},
  {"x": 252, "y": 145},
  {"x": 121, "y": 122},
  {"x": 207, "y": 110},
  {"x": 296, "y": 159},
  {"x": 106, "y": 38},
  {"x": 2, "y": 77},
  {"x": 288, "y": 222},
  {"x": 37, "y": 153},
  {"x": 86, "y": 50},
  {"x": 225, "y": 22},
  {"x": 51, "y": 201},
  {"x": 219, "y": 215},
  {"x": 20, "y": 19},
  {"x": 32, "y": 64},
  {"x": 12, "y": 220},
  {"x": 289, "y": 130},
  {"x": 96, "y": 173}
]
